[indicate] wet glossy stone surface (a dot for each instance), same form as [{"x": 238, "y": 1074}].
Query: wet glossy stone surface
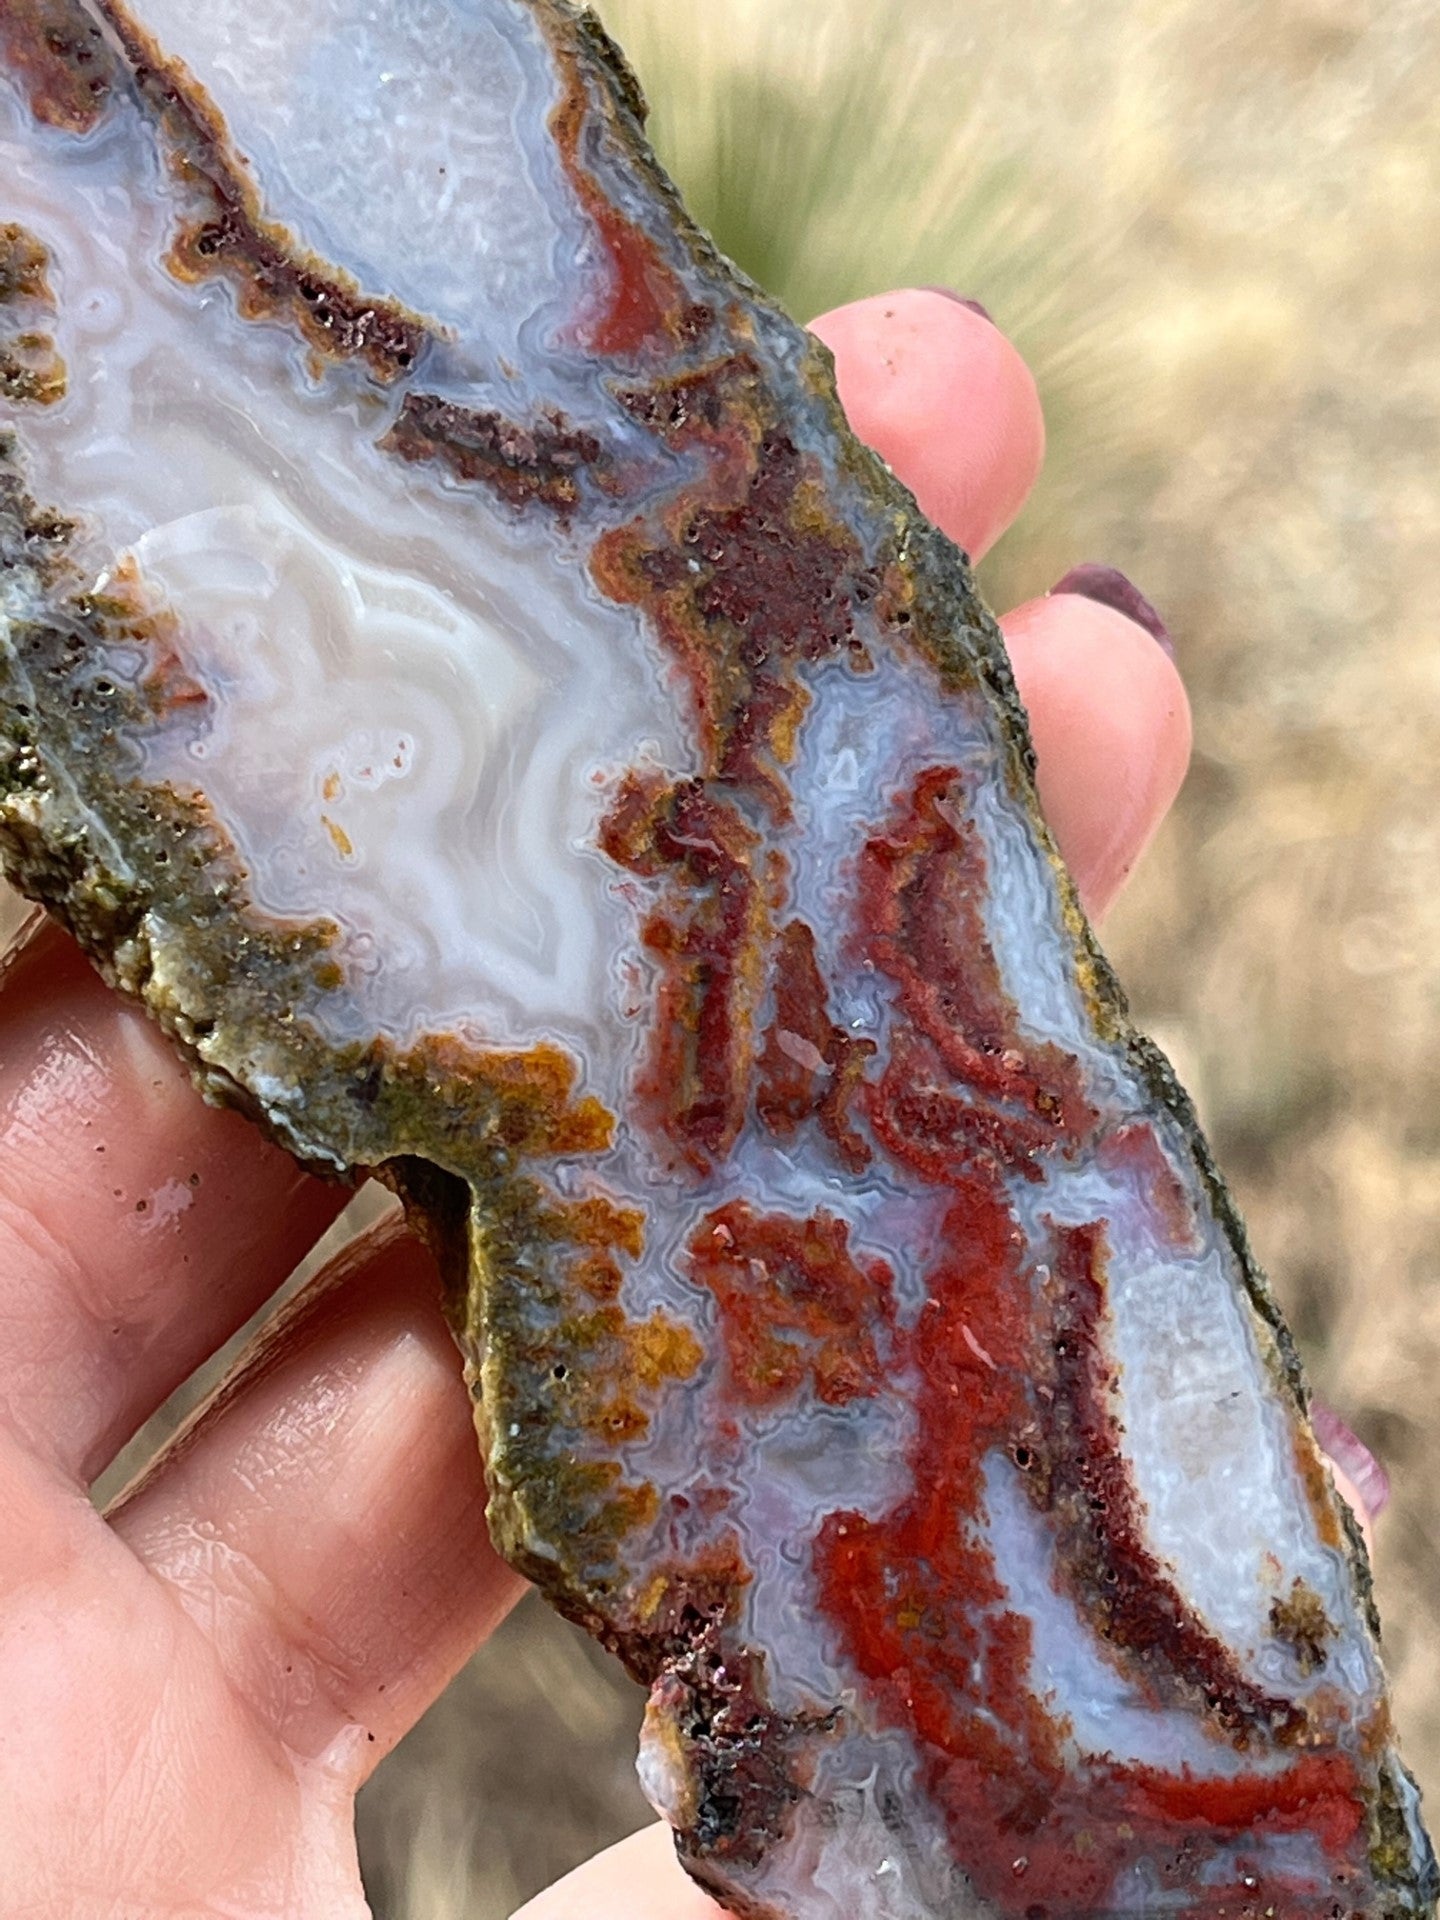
[{"x": 457, "y": 670}]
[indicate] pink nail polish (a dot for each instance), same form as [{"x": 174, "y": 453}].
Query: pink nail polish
[
  {"x": 1113, "y": 589},
  {"x": 963, "y": 300},
  {"x": 1354, "y": 1459}
]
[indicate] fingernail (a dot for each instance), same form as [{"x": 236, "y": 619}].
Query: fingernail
[
  {"x": 1353, "y": 1457},
  {"x": 961, "y": 300},
  {"x": 1111, "y": 588}
]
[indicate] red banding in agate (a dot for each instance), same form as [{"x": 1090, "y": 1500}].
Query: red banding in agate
[
  {"x": 810, "y": 1067},
  {"x": 708, "y": 937},
  {"x": 964, "y": 1082},
  {"x": 1006, "y": 1361},
  {"x": 796, "y": 1307},
  {"x": 750, "y": 588}
]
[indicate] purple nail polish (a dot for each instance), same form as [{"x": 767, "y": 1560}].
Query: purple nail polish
[
  {"x": 1112, "y": 589},
  {"x": 1354, "y": 1459},
  {"x": 961, "y": 300}
]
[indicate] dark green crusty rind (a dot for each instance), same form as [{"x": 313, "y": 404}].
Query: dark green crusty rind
[{"x": 156, "y": 895}]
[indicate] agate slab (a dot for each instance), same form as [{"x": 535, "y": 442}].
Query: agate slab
[{"x": 457, "y": 670}]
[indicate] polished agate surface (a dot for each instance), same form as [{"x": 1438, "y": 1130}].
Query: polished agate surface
[{"x": 458, "y": 671}]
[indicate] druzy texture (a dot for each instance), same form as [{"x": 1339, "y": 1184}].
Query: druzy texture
[{"x": 459, "y": 673}]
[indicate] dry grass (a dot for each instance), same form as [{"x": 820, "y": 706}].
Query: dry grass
[{"x": 1212, "y": 226}]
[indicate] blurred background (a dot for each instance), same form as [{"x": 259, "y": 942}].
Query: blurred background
[{"x": 1213, "y": 226}]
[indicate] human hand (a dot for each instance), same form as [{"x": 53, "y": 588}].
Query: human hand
[{"x": 197, "y": 1683}]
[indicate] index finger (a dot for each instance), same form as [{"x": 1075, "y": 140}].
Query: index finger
[
  {"x": 948, "y": 402},
  {"x": 945, "y": 400}
]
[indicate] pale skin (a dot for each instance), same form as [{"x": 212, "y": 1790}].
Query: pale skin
[{"x": 195, "y": 1685}]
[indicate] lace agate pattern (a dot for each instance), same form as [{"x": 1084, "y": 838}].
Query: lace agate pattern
[{"x": 457, "y": 670}]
